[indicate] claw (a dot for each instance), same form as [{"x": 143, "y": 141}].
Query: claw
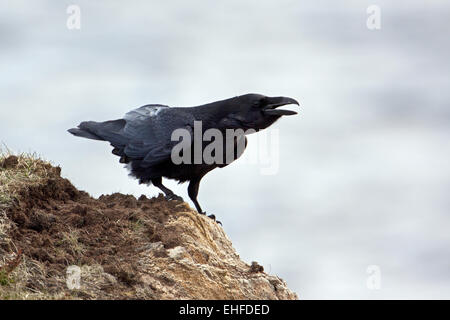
[{"x": 211, "y": 216}]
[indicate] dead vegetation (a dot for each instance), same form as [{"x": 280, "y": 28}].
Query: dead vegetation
[
  {"x": 47, "y": 225},
  {"x": 43, "y": 231}
]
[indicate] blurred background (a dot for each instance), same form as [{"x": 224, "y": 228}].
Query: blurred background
[{"x": 364, "y": 171}]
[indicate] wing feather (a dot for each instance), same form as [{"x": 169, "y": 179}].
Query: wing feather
[{"x": 149, "y": 130}]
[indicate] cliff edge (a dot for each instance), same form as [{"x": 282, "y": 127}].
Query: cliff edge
[{"x": 57, "y": 242}]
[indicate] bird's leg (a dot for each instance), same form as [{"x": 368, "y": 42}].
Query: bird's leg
[
  {"x": 193, "y": 192},
  {"x": 157, "y": 182}
]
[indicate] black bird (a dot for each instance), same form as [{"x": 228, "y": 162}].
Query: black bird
[{"x": 143, "y": 138}]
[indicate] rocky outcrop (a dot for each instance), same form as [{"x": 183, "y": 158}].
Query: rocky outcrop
[
  {"x": 196, "y": 260},
  {"x": 122, "y": 247}
]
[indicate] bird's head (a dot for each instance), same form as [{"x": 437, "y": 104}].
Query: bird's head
[{"x": 257, "y": 111}]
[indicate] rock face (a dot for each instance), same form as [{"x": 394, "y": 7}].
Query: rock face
[
  {"x": 123, "y": 247},
  {"x": 201, "y": 263}
]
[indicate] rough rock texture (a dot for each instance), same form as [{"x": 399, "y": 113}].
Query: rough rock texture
[
  {"x": 126, "y": 248},
  {"x": 197, "y": 260}
]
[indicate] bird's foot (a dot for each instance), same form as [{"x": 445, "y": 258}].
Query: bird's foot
[
  {"x": 173, "y": 196},
  {"x": 211, "y": 216}
]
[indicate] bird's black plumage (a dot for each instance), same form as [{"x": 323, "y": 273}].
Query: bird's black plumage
[{"x": 142, "y": 139}]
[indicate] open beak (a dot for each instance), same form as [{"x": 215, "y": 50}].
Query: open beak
[{"x": 275, "y": 102}]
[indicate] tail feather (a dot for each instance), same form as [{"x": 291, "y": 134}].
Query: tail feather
[
  {"x": 85, "y": 134},
  {"x": 105, "y": 131}
]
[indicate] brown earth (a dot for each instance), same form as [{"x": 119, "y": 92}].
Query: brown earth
[{"x": 126, "y": 248}]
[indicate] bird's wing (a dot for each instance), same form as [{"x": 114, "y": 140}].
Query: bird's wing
[{"x": 148, "y": 131}]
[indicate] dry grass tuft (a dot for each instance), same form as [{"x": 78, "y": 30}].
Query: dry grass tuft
[
  {"x": 27, "y": 279},
  {"x": 29, "y": 170},
  {"x": 70, "y": 241},
  {"x": 30, "y": 281}
]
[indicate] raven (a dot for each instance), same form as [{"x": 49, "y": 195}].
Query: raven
[{"x": 144, "y": 142}]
